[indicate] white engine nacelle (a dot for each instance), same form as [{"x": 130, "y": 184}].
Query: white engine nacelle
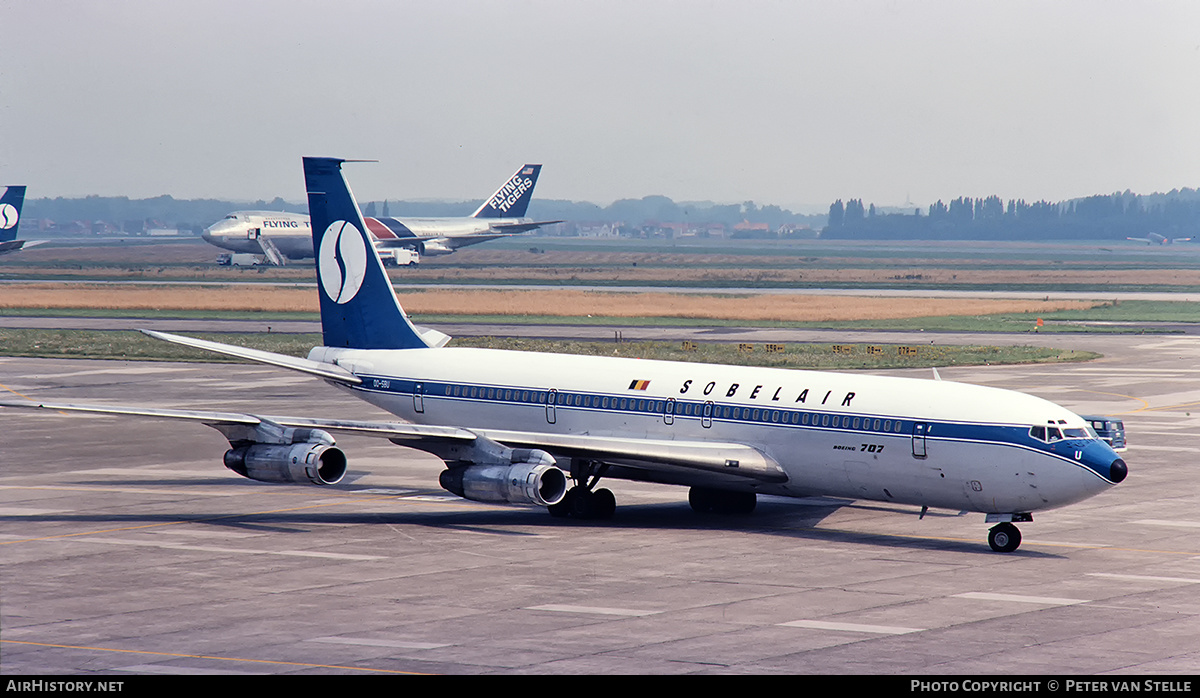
[
  {"x": 432, "y": 248},
  {"x": 537, "y": 482},
  {"x": 318, "y": 463}
]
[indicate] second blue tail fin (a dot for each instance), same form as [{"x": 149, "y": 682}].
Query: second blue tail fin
[
  {"x": 10, "y": 212},
  {"x": 512, "y": 199},
  {"x": 359, "y": 309}
]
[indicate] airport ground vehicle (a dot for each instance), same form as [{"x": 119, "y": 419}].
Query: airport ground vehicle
[{"x": 1111, "y": 431}]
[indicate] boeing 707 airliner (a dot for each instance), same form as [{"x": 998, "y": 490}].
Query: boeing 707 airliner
[{"x": 545, "y": 429}]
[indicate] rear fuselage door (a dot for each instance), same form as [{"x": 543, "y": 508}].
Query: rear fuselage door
[{"x": 920, "y": 430}]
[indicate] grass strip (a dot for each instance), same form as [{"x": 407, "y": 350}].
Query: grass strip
[{"x": 96, "y": 344}]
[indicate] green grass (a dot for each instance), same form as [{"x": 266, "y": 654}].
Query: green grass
[
  {"x": 94, "y": 344},
  {"x": 796, "y": 355},
  {"x": 1134, "y": 316}
]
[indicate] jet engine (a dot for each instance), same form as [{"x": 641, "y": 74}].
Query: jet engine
[
  {"x": 431, "y": 248},
  {"x": 522, "y": 483},
  {"x": 318, "y": 463},
  {"x": 530, "y": 478}
]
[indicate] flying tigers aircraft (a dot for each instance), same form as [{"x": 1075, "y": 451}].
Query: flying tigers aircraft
[
  {"x": 543, "y": 429},
  {"x": 280, "y": 236}
]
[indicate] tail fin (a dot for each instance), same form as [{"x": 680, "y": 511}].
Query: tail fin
[
  {"x": 359, "y": 309},
  {"x": 512, "y": 199},
  {"x": 10, "y": 212}
]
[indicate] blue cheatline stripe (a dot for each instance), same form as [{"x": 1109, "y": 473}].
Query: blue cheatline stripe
[{"x": 873, "y": 425}]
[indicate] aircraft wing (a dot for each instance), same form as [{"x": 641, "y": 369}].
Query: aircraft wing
[{"x": 729, "y": 460}]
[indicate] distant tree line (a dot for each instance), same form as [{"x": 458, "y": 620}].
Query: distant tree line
[
  {"x": 194, "y": 215},
  {"x": 1175, "y": 214}
]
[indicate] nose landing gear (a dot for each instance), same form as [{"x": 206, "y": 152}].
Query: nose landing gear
[{"x": 1004, "y": 537}]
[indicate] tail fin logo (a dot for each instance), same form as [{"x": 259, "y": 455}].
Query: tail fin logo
[
  {"x": 342, "y": 261},
  {"x": 9, "y": 216},
  {"x": 508, "y": 195}
]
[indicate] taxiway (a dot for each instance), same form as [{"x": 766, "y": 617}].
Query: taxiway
[{"x": 126, "y": 547}]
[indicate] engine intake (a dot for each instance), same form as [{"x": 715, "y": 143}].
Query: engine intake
[{"x": 318, "y": 463}]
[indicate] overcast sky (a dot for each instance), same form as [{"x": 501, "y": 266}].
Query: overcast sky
[{"x": 792, "y": 103}]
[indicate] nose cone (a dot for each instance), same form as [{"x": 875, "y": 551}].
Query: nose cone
[
  {"x": 221, "y": 229},
  {"x": 1117, "y": 470}
]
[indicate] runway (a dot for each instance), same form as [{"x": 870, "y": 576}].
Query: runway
[{"x": 127, "y": 548}]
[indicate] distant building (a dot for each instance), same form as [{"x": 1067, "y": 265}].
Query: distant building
[
  {"x": 748, "y": 229},
  {"x": 597, "y": 230}
]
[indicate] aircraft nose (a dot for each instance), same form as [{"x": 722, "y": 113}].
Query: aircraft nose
[{"x": 1117, "y": 470}]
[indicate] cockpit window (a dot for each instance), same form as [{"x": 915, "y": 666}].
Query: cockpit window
[{"x": 1052, "y": 434}]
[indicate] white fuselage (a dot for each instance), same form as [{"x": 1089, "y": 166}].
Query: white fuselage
[
  {"x": 291, "y": 233},
  {"x": 922, "y": 442}
]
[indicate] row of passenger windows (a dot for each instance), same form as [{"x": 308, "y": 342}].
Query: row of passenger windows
[{"x": 685, "y": 409}]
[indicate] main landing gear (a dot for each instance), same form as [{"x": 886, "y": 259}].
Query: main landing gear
[
  {"x": 583, "y": 501},
  {"x": 705, "y": 501},
  {"x": 1004, "y": 537}
]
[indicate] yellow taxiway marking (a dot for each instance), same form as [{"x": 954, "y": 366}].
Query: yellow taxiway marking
[
  {"x": 25, "y": 397},
  {"x": 1145, "y": 403},
  {"x": 220, "y": 659}
]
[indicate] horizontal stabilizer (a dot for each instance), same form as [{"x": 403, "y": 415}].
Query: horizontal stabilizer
[
  {"x": 315, "y": 368},
  {"x": 514, "y": 228},
  {"x": 432, "y": 337}
]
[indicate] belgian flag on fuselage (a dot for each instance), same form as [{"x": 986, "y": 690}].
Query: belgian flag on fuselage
[{"x": 359, "y": 309}]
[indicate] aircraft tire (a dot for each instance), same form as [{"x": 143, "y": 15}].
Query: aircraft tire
[
  {"x": 604, "y": 504},
  {"x": 581, "y": 503},
  {"x": 563, "y": 509},
  {"x": 701, "y": 500},
  {"x": 705, "y": 501},
  {"x": 1004, "y": 537}
]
